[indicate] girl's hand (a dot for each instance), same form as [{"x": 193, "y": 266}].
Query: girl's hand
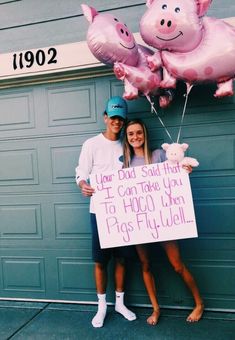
[{"x": 187, "y": 168}]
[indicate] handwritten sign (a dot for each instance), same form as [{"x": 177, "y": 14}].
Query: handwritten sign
[{"x": 145, "y": 204}]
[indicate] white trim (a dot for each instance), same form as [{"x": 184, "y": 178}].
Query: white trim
[
  {"x": 51, "y": 301},
  {"x": 68, "y": 57},
  {"x": 141, "y": 305},
  {"x": 230, "y": 20}
]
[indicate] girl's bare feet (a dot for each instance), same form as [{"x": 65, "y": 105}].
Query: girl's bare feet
[
  {"x": 196, "y": 314},
  {"x": 153, "y": 319}
]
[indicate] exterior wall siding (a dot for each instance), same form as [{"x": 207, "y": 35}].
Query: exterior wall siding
[{"x": 27, "y": 24}]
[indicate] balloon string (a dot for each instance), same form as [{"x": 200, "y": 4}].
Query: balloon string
[
  {"x": 189, "y": 87},
  {"x": 155, "y": 111}
]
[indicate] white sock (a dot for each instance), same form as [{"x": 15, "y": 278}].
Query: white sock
[
  {"x": 121, "y": 308},
  {"x": 98, "y": 319}
]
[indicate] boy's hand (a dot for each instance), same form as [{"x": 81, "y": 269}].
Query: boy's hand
[{"x": 86, "y": 189}]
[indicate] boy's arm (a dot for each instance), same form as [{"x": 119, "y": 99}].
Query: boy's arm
[{"x": 84, "y": 169}]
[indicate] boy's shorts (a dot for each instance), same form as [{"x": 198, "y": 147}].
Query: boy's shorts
[{"x": 104, "y": 255}]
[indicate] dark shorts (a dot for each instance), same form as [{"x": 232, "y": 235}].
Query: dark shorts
[{"x": 104, "y": 255}]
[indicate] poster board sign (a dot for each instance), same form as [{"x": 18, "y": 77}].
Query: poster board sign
[{"x": 149, "y": 203}]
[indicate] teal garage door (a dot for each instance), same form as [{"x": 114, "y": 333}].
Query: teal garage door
[{"x": 44, "y": 224}]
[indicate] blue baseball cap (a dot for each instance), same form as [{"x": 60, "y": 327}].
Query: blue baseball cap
[{"x": 116, "y": 106}]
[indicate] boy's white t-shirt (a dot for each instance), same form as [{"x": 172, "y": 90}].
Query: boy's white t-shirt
[{"x": 98, "y": 155}]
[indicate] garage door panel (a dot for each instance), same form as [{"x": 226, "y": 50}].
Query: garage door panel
[
  {"x": 21, "y": 221},
  {"x": 43, "y": 166},
  {"x": 71, "y": 104},
  {"x": 199, "y": 104},
  {"x": 70, "y": 107},
  {"x": 16, "y": 110},
  {"x": 71, "y": 221},
  {"x": 205, "y": 187},
  {"x": 51, "y": 274},
  {"x": 64, "y": 161},
  {"x": 45, "y": 221},
  {"x": 58, "y": 159},
  {"x": 23, "y": 274},
  {"x": 216, "y": 153},
  {"x": 75, "y": 275},
  {"x": 214, "y": 217},
  {"x": 19, "y": 166},
  {"x": 62, "y": 108},
  {"x": 217, "y": 247},
  {"x": 35, "y": 222},
  {"x": 221, "y": 293}
]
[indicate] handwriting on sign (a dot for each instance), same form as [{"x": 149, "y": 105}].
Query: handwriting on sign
[{"x": 144, "y": 204}]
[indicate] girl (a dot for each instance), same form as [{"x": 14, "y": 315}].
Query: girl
[{"x": 136, "y": 152}]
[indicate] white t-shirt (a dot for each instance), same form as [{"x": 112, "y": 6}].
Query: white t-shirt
[{"x": 98, "y": 155}]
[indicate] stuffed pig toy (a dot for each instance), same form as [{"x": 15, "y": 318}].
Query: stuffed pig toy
[
  {"x": 112, "y": 43},
  {"x": 175, "y": 154},
  {"x": 193, "y": 47}
]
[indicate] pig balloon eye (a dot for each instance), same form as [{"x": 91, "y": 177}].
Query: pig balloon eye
[
  {"x": 164, "y": 6},
  {"x": 116, "y": 19},
  {"x": 177, "y": 9}
]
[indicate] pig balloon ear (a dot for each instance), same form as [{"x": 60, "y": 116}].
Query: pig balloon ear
[
  {"x": 89, "y": 12},
  {"x": 149, "y": 3},
  {"x": 202, "y": 6}
]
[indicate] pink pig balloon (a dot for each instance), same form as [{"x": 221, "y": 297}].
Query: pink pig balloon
[
  {"x": 193, "y": 48},
  {"x": 112, "y": 43}
]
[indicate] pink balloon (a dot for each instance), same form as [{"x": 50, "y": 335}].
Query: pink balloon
[
  {"x": 138, "y": 78},
  {"x": 193, "y": 48},
  {"x": 111, "y": 42},
  {"x": 109, "y": 39}
]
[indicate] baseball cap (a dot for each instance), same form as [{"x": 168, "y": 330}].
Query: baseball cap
[{"x": 116, "y": 106}]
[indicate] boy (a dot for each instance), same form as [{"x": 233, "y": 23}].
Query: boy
[{"x": 99, "y": 154}]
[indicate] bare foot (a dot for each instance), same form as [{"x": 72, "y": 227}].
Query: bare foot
[
  {"x": 153, "y": 319},
  {"x": 196, "y": 314}
]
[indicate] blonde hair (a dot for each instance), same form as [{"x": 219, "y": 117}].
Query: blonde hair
[{"x": 128, "y": 151}]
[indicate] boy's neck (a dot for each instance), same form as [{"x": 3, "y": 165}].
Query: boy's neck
[{"x": 111, "y": 136}]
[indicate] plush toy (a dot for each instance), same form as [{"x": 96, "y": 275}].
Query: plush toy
[{"x": 175, "y": 154}]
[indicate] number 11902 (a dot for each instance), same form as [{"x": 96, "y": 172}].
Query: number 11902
[{"x": 29, "y": 58}]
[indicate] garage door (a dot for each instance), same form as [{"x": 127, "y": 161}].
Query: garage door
[
  {"x": 44, "y": 224},
  {"x": 45, "y": 236}
]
